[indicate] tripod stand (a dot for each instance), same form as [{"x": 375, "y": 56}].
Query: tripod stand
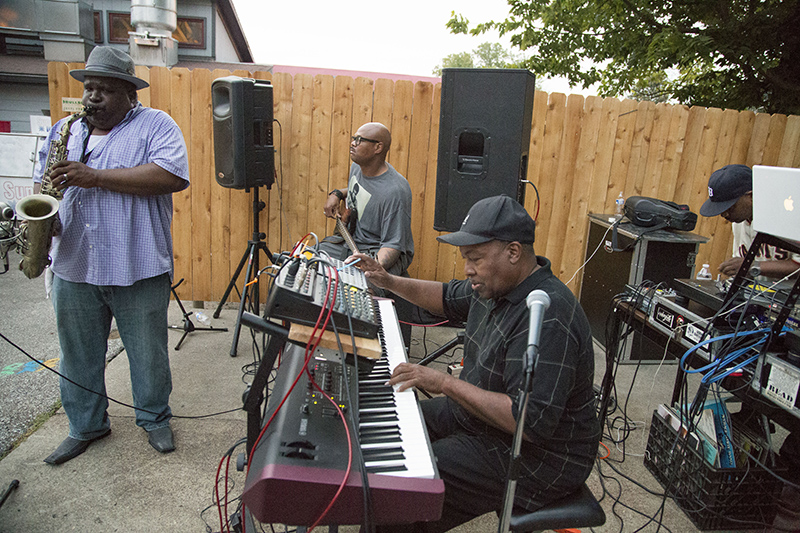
[
  {"x": 188, "y": 326},
  {"x": 250, "y": 256}
]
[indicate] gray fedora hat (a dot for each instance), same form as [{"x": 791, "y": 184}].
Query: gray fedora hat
[{"x": 109, "y": 62}]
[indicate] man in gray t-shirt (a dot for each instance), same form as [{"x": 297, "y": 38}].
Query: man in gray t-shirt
[{"x": 380, "y": 198}]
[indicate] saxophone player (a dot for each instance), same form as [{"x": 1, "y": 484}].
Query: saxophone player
[{"x": 114, "y": 255}]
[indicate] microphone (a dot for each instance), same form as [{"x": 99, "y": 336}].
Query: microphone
[
  {"x": 538, "y": 301},
  {"x": 6, "y": 211}
]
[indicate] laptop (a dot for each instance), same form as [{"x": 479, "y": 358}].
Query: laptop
[{"x": 776, "y": 201}]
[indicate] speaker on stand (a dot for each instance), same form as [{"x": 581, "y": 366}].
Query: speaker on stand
[
  {"x": 244, "y": 158},
  {"x": 484, "y": 137}
]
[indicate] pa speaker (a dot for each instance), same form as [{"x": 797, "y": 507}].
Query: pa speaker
[
  {"x": 244, "y": 156},
  {"x": 484, "y": 137}
]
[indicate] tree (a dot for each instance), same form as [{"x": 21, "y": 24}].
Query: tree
[
  {"x": 459, "y": 60},
  {"x": 492, "y": 55},
  {"x": 486, "y": 55},
  {"x": 741, "y": 54}
]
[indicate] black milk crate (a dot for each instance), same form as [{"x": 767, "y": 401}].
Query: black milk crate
[{"x": 713, "y": 498}]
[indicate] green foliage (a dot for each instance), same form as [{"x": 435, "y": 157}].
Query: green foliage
[
  {"x": 741, "y": 54},
  {"x": 459, "y": 60},
  {"x": 486, "y": 55}
]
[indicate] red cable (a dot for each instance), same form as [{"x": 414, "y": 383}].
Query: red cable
[
  {"x": 307, "y": 358},
  {"x": 349, "y": 463},
  {"x": 227, "y": 519},
  {"x": 216, "y": 492}
]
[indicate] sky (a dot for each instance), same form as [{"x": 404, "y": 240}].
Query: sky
[{"x": 405, "y": 37}]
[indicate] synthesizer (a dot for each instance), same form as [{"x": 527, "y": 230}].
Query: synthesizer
[
  {"x": 304, "y": 289},
  {"x": 297, "y": 468}
]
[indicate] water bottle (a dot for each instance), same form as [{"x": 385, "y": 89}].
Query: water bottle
[
  {"x": 704, "y": 273},
  {"x": 619, "y": 207},
  {"x": 202, "y": 318}
]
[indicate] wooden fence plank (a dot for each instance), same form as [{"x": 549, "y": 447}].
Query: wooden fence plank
[
  {"x": 609, "y": 115},
  {"x": 653, "y": 171},
  {"x": 426, "y": 248},
  {"x": 758, "y": 140},
  {"x": 706, "y": 160},
  {"x": 400, "y": 126},
  {"x": 789, "y": 145},
  {"x": 297, "y": 180},
  {"x": 640, "y": 144},
  {"x": 772, "y": 148},
  {"x": 417, "y": 171},
  {"x": 278, "y": 231},
  {"x": 348, "y": 96},
  {"x": 562, "y": 198},
  {"x": 363, "y": 104},
  {"x": 181, "y": 111},
  {"x": 200, "y": 167},
  {"x": 320, "y": 154},
  {"x": 547, "y": 177},
  {"x": 535, "y": 150},
  {"x": 673, "y": 152},
  {"x": 574, "y": 239},
  {"x": 382, "y": 106}
]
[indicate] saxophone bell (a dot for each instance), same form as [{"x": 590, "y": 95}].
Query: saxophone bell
[{"x": 39, "y": 212}]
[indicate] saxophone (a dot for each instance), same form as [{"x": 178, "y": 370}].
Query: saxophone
[{"x": 40, "y": 211}]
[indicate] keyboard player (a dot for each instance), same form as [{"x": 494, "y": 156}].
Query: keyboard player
[{"x": 471, "y": 419}]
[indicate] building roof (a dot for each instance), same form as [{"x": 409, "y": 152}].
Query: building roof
[{"x": 231, "y": 22}]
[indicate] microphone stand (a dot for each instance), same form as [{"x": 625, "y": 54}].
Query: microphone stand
[{"x": 529, "y": 362}]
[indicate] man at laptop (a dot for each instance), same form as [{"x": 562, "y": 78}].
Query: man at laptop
[{"x": 730, "y": 194}]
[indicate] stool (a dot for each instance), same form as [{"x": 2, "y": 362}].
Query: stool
[{"x": 576, "y": 510}]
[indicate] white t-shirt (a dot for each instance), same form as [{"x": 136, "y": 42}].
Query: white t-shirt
[{"x": 743, "y": 235}]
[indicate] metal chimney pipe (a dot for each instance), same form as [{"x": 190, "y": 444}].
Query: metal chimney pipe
[{"x": 152, "y": 43}]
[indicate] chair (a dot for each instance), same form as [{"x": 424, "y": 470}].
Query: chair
[{"x": 577, "y": 510}]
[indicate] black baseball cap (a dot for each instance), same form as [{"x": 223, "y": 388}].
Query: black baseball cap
[
  {"x": 725, "y": 186},
  {"x": 495, "y": 218}
]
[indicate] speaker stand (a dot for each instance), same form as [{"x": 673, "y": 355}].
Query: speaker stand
[
  {"x": 250, "y": 292},
  {"x": 188, "y": 326}
]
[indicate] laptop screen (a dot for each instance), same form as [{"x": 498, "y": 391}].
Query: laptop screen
[{"x": 776, "y": 201}]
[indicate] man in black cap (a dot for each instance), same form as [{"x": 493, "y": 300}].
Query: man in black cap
[
  {"x": 472, "y": 421},
  {"x": 113, "y": 258},
  {"x": 730, "y": 194}
]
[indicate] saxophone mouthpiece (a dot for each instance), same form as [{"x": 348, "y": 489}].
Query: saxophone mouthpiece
[{"x": 89, "y": 110}]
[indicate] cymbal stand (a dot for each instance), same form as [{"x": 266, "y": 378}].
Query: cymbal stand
[{"x": 250, "y": 293}]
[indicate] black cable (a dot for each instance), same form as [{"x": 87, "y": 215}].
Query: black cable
[{"x": 62, "y": 376}]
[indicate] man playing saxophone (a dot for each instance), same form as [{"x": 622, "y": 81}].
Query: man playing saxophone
[{"x": 113, "y": 258}]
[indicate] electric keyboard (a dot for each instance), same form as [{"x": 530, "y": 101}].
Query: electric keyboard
[{"x": 298, "y": 466}]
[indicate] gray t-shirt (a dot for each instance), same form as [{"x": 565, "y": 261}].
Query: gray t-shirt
[{"x": 383, "y": 206}]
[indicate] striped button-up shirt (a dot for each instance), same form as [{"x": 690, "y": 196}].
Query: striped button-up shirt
[{"x": 111, "y": 238}]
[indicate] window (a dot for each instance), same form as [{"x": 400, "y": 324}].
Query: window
[
  {"x": 98, "y": 27},
  {"x": 119, "y": 24},
  {"x": 190, "y": 33}
]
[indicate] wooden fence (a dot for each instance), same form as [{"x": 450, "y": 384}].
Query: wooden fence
[{"x": 583, "y": 152}]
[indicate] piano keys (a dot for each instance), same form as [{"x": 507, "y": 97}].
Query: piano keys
[{"x": 299, "y": 464}]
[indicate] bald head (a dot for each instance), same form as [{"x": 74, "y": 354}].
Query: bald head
[{"x": 377, "y": 131}]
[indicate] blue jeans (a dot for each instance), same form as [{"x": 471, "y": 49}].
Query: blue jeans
[{"x": 83, "y": 318}]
